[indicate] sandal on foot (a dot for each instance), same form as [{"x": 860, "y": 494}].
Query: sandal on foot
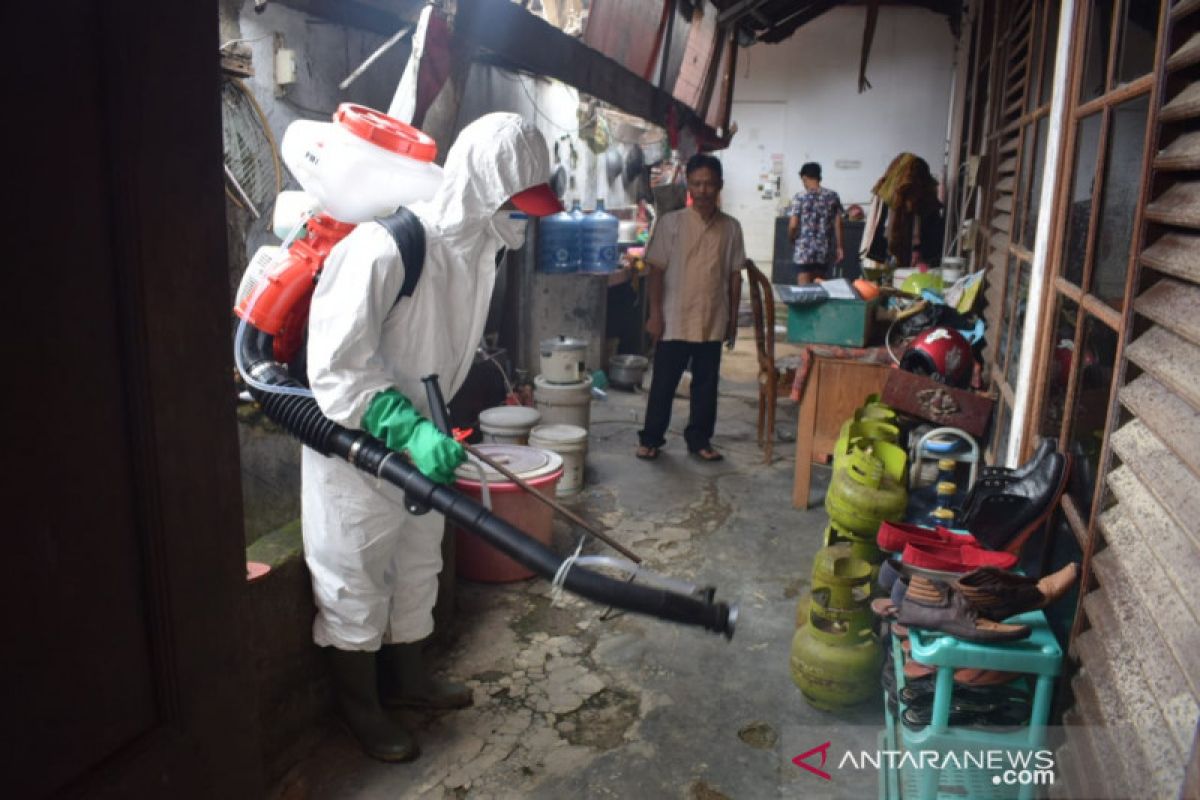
[
  {"x": 708, "y": 454},
  {"x": 647, "y": 453}
]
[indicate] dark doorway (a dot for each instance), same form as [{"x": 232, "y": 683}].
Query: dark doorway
[{"x": 124, "y": 557}]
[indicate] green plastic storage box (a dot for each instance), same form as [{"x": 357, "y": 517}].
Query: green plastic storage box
[{"x": 841, "y": 322}]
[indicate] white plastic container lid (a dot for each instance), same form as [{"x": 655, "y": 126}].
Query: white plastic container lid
[
  {"x": 510, "y": 417},
  {"x": 527, "y": 463},
  {"x": 559, "y": 434}
]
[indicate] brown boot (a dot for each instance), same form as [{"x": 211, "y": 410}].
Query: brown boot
[
  {"x": 405, "y": 681},
  {"x": 935, "y": 606},
  {"x": 998, "y": 595}
]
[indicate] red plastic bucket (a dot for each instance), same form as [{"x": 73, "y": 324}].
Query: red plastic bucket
[{"x": 477, "y": 560}]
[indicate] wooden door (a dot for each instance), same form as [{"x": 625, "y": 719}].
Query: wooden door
[{"x": 123, "y": 584}]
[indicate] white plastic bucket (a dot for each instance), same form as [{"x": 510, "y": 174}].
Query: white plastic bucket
[
  {"x": 564, "y": 403},
  {"x": 363, "y": 165},
  {"x": 508, "y": 424},
  {"x": 571, "y": 443}
]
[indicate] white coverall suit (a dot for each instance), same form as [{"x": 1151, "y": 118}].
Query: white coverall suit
[{"x": 374, "y": 566}]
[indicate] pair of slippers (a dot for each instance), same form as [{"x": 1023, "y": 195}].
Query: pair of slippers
[
  {"x": 704, "y": 454},
  {"x": 997, "y": 716}
]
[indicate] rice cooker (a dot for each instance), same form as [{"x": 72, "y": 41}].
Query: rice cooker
[{"x": 563, "y": 359}]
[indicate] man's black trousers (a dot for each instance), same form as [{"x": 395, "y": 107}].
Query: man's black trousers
[{"x": 671, "y": 358}]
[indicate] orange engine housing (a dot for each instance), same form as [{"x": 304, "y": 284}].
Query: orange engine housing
[{"x": 279, "y": 304}]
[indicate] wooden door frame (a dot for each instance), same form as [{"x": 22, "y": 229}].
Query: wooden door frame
[{"x": 149, "y": 75}]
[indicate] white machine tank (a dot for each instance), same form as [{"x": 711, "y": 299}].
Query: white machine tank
[{"x": 362, "y": 165}]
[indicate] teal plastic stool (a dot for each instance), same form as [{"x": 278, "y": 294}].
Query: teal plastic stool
[{"x": 1038, "y": 657}]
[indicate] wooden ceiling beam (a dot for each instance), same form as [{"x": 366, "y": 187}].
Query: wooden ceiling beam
[{"x": 532, "y": 45}]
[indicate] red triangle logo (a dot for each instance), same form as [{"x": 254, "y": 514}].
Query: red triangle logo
[{"x": 823, "y": 749}]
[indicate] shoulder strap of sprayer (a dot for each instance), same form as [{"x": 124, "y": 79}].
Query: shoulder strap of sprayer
[{"x": 409, "y": 234}]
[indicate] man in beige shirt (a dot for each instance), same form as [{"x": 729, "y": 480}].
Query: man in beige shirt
[{"x": 695, "y": 258}]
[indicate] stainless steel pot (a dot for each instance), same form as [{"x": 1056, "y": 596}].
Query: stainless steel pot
[{"x": 626, "y": 371}]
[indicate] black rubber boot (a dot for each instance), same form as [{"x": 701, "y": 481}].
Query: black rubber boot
[
  {"x": 356, "y": 691},
  {"x": 405, "y": 681}
]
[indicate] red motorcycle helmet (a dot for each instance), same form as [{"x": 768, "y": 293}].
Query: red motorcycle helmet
[{"x": 942, "y": 354}]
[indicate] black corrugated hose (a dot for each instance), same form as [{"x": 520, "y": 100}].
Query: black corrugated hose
[{"x": 301, "y": 417}]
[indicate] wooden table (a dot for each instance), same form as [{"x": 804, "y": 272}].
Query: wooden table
[{"x": 834, "y": 385}]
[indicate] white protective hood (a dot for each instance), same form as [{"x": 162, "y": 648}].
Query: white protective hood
[{"x": 361, "y": 341}]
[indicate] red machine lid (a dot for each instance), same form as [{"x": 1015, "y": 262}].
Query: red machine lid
[{"x": 383, "y": 131}]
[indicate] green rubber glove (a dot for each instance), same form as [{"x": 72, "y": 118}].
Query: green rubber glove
[{"x": 392, "y": 418}]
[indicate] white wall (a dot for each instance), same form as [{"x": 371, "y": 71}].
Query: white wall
[
  {"x": 551, "y": 106},
  {"x": 814, "y": 75}
]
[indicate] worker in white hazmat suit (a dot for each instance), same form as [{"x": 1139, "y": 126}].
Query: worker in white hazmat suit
[{"x": 374, "y": 566}]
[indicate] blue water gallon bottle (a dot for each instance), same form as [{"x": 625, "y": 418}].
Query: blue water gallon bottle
[
  {"x": 558, "y": 242},
  {"x": 577, "y": 215},
  {"x": 599, "y": 250}
]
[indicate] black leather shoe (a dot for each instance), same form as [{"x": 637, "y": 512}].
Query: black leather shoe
[
  {"x": 1045, "y": 447},
  {"x": 993, "y": 478},
  {"x": 1003, "y": 517}
]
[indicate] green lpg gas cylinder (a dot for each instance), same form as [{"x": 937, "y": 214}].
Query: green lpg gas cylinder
[
  {"x": 863, "y": 547},
  {"x": 871, "y": 430},
  {"x": 874, "y": 408},
  {"x": 871, "y": 420},
  {"x": 833, "y": 666},
  {"x": 836, "y": 657},
  {"x": 868, "y": 488},
  {"x": 841, "y": 587}
]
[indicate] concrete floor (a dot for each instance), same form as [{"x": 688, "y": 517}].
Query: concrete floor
[{"x": 571, "y": 704}]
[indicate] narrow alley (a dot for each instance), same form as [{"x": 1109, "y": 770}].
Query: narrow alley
[{"x": 573, "y": 702}]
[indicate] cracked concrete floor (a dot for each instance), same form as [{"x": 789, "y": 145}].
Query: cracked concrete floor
[{"x": 573, "y": 702}]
